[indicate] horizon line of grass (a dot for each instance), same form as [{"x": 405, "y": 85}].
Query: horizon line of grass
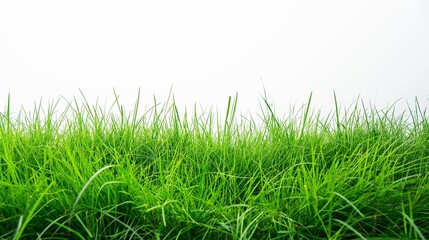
[{"x": 91, "y": 173}]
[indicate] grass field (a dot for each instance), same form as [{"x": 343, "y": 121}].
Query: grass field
[{"x": 86, "y": 173}]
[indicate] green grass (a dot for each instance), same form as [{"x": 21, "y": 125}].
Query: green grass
[{"x": 89, "y": 173}]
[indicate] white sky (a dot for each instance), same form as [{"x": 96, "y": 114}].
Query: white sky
[{"x": 207, "y": 51}]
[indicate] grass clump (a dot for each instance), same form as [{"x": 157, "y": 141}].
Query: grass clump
[{"x": 87, "y": 173}]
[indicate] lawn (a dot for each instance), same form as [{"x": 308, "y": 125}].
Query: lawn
[{"x": 84, "y": 172}]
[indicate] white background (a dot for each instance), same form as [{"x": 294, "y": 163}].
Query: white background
[{"x": 207, "y": 51}]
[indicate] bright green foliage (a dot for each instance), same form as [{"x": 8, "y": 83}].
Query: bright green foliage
[{"x": 87, "y": 173}]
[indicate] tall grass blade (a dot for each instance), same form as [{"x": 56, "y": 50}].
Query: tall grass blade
[
  {"x": 23, "y": 223},
  {"x": 415, "y": 227},
  {"x": 86, "y": 186}
]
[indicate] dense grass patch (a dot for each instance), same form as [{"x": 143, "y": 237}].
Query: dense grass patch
[{"x": 87, "y": 173}]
